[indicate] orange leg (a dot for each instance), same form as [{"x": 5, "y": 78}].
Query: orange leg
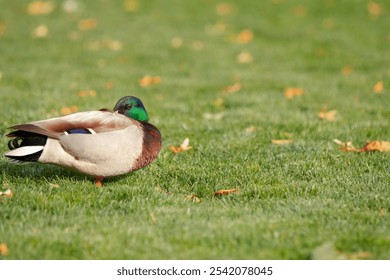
[{"x": 98, "y": 182}]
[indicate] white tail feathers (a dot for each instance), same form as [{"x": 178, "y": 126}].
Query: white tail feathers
[{"x": 24, "y": 151}]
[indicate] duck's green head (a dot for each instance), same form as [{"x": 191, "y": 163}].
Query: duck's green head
[{"x": 132, "y": 107}]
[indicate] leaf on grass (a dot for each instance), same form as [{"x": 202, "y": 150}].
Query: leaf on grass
[
  {"x": 149, "y": 80},
  {"x": 378, "y": 87},
  {"x": 300, "y": 11},
  {"x": 216, "y": 116},
  {"x": 225, "y": 192},
  {"x": 182, "y": 148},
  {"x": 3, "y": 28},
  {"x": 347, "y": 70},
  {"x": 41, "y": 31},
  {"x": 69, "y": 110},
  {"x": 152, "y": 218},
  {"x": 346, "y": 146},
  {"x": 292, "y": 92},
  {"x": 8, "y": 193},
  {"x": 87, "y": 24},
  {"x": 54, "y": 185},
  {"x": 71, "y": 6},
  {"x": 3, "y": 249},
  {"x": 224, "y": 9},
  {"x": 36, "y": 8},
  {"x": 176, "y": 42},
  {"x": 250, "y": 129},
  {"x": 233, "y": 88},
  {"x": 219, "y": 102},
  {"x": 244, "y": 37},
  {"x": 381, "y": 146},
  {"x": 244, "y": 57},
  {"x": 281, "y": 141},
  {"x": 193, "y": 198},
  {"x": 374, "y": 9},
  {"x": 327, "y": 115},
  {"x": 90, "y": 92},
  {"x": 131, "y": 5}
]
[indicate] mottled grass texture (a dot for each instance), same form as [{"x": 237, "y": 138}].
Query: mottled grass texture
[{"x": 302, "y": 200}]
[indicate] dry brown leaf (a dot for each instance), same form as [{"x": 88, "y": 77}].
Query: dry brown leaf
[
  {"x": 292, "y": 92},
  {"x": 244, "y": 57},
  {"x": 3, "y": 249},
  {"x": 300, "y": 11},
  {"x": 225, "y": 192},
  {"x": 374, "y": 9},
  {"x": 87, "y": 24},
  {"x": 87, "y": 93},
  {"x": 3, "y": 28},
  {"x": 216, "y": 116},
  {"x": 193, "y": 198},
  {"x": 152, "y": 218},
  {"x": 41, "y": 31},
  {"x": 224, "y": 9},
  {"x": 378, "y": 87},
  {"x": 54, "y": 185},
  {"x": 347, "y": 70},
  {"x": 381, "y": 146},
  {"x": 281, "y": 141},
  {"x": 182, "y": 148},
  {"x": 245, "y": 36},
  {"x": 131, "y": 5},
  {"x": 8, "y": 193},
  {"x": 149, "y": 80},
  {"x": 231, "y": 89},
  {"x": 327, "y": 115},
  {"x": 219, "y": 102},
  {"x": 176, "y": 42},
  {"x": 69, "y": 110},
  {"x": 36, "y": 8},
  {"x": 250, "y": 129},
  {"x": 346, "y": 146}
]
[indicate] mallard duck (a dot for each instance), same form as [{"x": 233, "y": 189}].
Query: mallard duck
[{"x": 100, "y": 143}]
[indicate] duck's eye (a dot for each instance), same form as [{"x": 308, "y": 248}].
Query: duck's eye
[{"x": 129, "y": 106}]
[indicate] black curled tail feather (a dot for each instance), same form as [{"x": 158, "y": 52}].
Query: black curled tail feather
[{"x": 25, "y": 142}]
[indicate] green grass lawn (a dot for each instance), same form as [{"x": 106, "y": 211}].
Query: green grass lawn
[{"x": 302, "y": 200}]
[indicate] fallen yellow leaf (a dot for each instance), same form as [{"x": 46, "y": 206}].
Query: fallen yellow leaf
[
  {"x": 374, "y": 9},
  {"x": 327, "y": 115},
  {"x": 225, "y": 192},
  {"x": 41, "y": 31},
  {"x": 87, "y": 93},
  {"x": 346, "y": 146},
  {"x": 193, "y": 198},
  {"x": 3, "y": 249},
  {"x": 224, "y": 9},
  {"x": 69, "y": 110},
  {"x": 300, "y": 11},
  {"x": 250, "y": 129},
  {"x": 40, "y": 8},
  {"x": 3, "y": 28},
  {"x": 87, "y": 24},
  {"x": 176, "y": 42},
  {"x": 381, "y": 146},
  {"x": 244, "y": 57},
  {"x": 149, "y": 80},
  {"x": 347, "y": 70},
  {"x": 182, "y": 148},
  {"x": 292, "y": 92},
  {"x": 131, "y": 5},
  {"x": 281, "y": 141},
  {"x": 245, "y": 36},
  {"x": 233, "y": 88},
  {"x": 378, "y": 87},
  {"x": 7, "y": 193}
]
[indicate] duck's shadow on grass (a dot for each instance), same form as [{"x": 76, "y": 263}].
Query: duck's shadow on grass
[{"x": 45, "y": 172}]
